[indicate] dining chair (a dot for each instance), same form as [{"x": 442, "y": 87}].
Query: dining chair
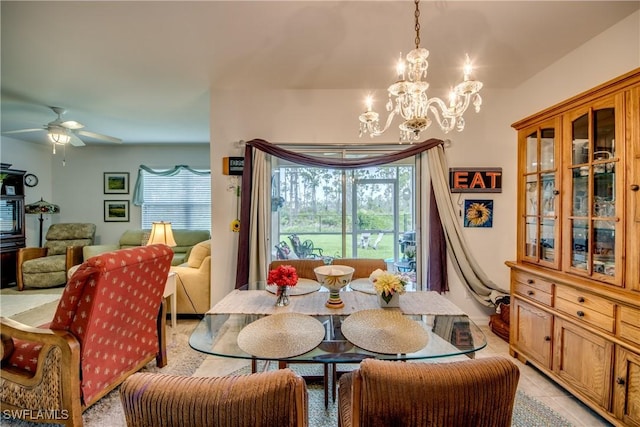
[
  {"x": 469, "y": 393},
  {"x": 263, "y": 399}
]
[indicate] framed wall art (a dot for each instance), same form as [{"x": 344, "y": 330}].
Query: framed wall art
[
  {"x": 116, "y": 211},
  {"x": 478, "y": 213},
  {"x": 116, "y": 183}
]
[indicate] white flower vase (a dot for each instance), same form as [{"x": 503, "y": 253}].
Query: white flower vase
[{"x": 393, "y": 302}]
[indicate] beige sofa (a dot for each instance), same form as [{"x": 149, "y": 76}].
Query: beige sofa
[
  {"x": 185, "y": 240},
  {"x": 191, "y": 263},
  {"x": 193, "y": 281}
]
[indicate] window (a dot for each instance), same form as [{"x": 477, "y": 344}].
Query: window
[
  {"x": 183, "y": 198},
  {"x": 362, "y": 213}
]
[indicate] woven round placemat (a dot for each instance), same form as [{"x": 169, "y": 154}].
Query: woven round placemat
[
  {"x": 363, "y": 285},
  {"x": 304, "y": 286},
  {"x": 281, "y": 335},
  {"x": 384, "y": 331}
]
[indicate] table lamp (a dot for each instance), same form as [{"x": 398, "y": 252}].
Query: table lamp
[
  {"x": 161, "y": 233},
  {"x": 43, "y": 208}
]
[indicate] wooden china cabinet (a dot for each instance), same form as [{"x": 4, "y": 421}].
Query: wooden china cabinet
[{"x": 575, "y": 284}]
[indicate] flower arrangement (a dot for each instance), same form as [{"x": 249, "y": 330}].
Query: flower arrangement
[
  {"x": 284, "y": 275},
  {"x": 387, "y": 284}
]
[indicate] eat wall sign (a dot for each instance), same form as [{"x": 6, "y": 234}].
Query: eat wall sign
[{"x": 476, "y": 180}]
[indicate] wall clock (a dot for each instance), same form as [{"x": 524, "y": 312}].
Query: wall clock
[{"x": 30, "y": 180}]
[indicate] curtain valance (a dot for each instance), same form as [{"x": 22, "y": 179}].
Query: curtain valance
[{"x": 138, "y": 193}]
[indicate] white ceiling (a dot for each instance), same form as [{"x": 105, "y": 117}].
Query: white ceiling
[{"x": 142, "y": 71}]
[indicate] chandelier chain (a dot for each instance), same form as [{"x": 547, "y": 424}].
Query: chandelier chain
[{"x": 417, "y": 26}]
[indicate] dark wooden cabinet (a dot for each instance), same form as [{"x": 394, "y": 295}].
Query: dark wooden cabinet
[{"x": 12, "y": 227}]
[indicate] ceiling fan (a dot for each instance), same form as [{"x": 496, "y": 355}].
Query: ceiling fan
[{"x": 65, "y": 132}]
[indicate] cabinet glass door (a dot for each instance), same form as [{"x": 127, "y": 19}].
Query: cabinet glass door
[
  {"x": 594, "y": 220},
  {"x": 540, "y": 228}
]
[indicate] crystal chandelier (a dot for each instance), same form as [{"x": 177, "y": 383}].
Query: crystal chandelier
[{"x": 408, "y": 98}]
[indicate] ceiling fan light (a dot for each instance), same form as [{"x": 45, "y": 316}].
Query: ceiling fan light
[{"x": 59, "y": 137}]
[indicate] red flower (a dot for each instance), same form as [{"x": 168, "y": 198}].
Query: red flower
[{"x": 284, "y": 275}]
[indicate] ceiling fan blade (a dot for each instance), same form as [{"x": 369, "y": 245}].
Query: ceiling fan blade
[
  {"x": 99, "y": 136},
  {"x": 24, "y": 130},
  {"x": 75, "y": 141}
]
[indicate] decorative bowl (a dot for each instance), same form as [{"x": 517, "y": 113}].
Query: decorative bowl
[{"x": 334, "y": 278}]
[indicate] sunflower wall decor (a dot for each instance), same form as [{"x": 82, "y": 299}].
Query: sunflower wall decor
[{"x": 478, "y": 213}]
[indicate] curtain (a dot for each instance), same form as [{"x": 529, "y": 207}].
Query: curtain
[
  {"x": 467, "y": 268},
  {"x": 250, "y": 236},
  {"x": 138, "y": 199}
]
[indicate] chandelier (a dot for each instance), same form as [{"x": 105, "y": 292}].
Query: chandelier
[{"x": 408, "y": 98}]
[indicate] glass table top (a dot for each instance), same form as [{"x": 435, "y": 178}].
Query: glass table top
[{"x": 448, "y": 335}]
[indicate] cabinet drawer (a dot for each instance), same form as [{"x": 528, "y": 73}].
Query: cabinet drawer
[
  {"x": 533, "y": 282},
  {"x": 533, "y": 293},
  {"x": 586, "y": 300},
  {"x": 584, "y": 314},
  {"x": 629, "y": 324}
]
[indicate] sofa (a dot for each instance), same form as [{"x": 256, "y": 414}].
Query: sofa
[
  {"x": 185, "y": 240},
  {"x": 193, "y": 281}
]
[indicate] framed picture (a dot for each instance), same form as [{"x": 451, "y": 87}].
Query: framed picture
[
  {"x": 116, "y": 211},
  {"x": 478, "y": 213},
  {"x": 10, "y": 190},
  {"x": 116, "y": 183}
]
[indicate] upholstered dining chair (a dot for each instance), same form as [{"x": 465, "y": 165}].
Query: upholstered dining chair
[
  {"x": 264, "y": 399},
  {"x": 109, "y": 323},
  {"x": 47, "y": 267},
  {"x": 304, "y": 267},
  {"x": 470, "y": 393}
]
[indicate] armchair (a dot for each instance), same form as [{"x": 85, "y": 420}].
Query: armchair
[
  {"x": 47, "y": 267},
  {"x": 473, "y": 393},
  {"x": 193, "y": 286},
  {"x": 265, "y": 399},
  {"x": 109, "y": 323}
]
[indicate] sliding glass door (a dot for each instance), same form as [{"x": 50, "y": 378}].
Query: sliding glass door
[{"x": 362, "y": 213}]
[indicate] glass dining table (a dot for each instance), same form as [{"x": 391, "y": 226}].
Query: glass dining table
[{"x": 444, "y": 330}]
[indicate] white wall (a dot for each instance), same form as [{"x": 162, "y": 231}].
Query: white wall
[{"x": 329, "y": 116}]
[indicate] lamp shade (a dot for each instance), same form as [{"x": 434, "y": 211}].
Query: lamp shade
[
  {"x": 161, "y": 233},
  {"x": 41, "y": 207}
]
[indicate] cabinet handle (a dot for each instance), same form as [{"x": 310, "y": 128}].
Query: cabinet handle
[
  {"x": 530, "y": 293},
  {"x": 530, "y": 281},
  {"x": 547, "y": 338},
  {"x": 620, "y": 381},
  {"x": 556, "y": 192},
  {"x": 580, "y": 299},
  {"x": 635, "y": 187},
  {"x": 580, "y": 313}
]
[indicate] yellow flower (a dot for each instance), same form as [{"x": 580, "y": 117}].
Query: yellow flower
[
  {"x": 389, "y": 284},
  {"x": 235, "y": 225},
  {"x": 477, "y": 214}
]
